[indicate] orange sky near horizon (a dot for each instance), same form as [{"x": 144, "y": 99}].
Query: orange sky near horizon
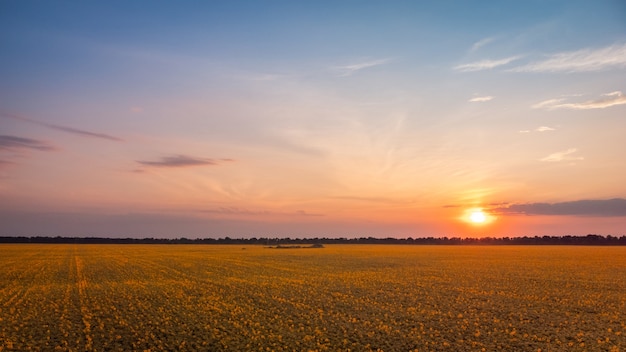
[{"x": 244, "y": 119}]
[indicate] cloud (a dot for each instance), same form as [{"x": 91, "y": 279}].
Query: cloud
[
  {"x": 4, "y": 163},
  {"x": 348, "y": 70},
  {"x": 608, "y": 207},
  {"x": 547, "y": 104},
  {"x": 606, "y": 101},
  {"x": 480, "y": 99},
  {"x": 181, "y": 161},
  {"x": 539, "y": 129},
  {"x": 374, "y": 199},
  {"x": 479, "y": 44},
  {"x": 14, "y": 142},
  {"x": 239, "y": 211},
  {"x": 63, "y": 128},
  {"x": 485, "y": 64},
  {"x": 563, "y": 156},
  {"x": 82, "y": 132},
  {"x": 585, "y": 60}
]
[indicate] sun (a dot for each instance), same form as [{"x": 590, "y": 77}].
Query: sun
[{"x": 477, "y": 217}]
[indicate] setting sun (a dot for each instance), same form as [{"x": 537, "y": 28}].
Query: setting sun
[{"x": 478, "y": 217}]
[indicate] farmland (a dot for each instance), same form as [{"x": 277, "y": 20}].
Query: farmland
[{"x": 338, "y": 298}]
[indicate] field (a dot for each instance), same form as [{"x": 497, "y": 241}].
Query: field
[{"x": 338, "y": 298}]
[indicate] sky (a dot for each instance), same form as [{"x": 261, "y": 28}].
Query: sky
[{"x": 312, "y": 119}]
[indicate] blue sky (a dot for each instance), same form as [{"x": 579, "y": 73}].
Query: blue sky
[{"x": 322, "y": 118}]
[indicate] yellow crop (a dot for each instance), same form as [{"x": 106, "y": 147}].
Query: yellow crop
[{"x": 338, "y": 298}]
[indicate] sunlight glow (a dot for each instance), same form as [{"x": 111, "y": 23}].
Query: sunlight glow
[{"x": 478, "y": 216}]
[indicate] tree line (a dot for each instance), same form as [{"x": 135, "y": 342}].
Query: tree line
[{"x": 588, "y": 240}]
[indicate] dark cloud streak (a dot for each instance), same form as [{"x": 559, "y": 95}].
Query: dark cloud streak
[
  {"x": 81, "y": 132},
  {"x": 64, "y": 128},
  {"x": 179, "y": 161},
  {"x": 608, "y": 208},
  {"x": 5, "y": 163},
  {"x": 13, "y": 142}
]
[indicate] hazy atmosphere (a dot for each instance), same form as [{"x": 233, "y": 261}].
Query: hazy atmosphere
[{"x": 325, "y": 118}]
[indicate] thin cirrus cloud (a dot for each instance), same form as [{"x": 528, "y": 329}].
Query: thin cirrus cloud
[
  {"x": 606, "y": 101},
  {"x": 585, "y": 207},
  {"x": 348, "y": 70},
  {"x": 14, "y": 143},
  {"x": 5, "y": 163},
  {"x": 539, "y": 129},
  {"x": 239, "y": 211},
  {"x": 584, "y": 60},
  {"x": 479, "y": 44},
  {"x": 386, "y": 200},
  {"x": 66, "y": 129},
  {"x": 480, "y": 99},
  {"x": 485, "y": 64},
  {"x": 181, "y": 161},
  {"x": 563, "y": 156}
]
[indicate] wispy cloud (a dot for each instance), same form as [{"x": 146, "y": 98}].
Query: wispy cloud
[
  {"x": 67, "y": 129},
  {"x": 181, "y": 161},
  {"x": 606, "y": 101},
  {"x": 547, "y": 104},
  {"x": 479, "y": 44},
  {"x": 348, "y": 70},
  {"x": 386, "y": 200},
  {"x": 563, "y": 156},
  {"x": 539, "y": 129},
  {"x": 81, "y": 132},
  {"x": 608, "y": 207},
  {"x": 14, "y": 143},
  {"x": 585, "y": 60},
  {"x": 485, "y": 64},
  {"x": 239, "y": 211},
  {"x": 480, "y": 99}
]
